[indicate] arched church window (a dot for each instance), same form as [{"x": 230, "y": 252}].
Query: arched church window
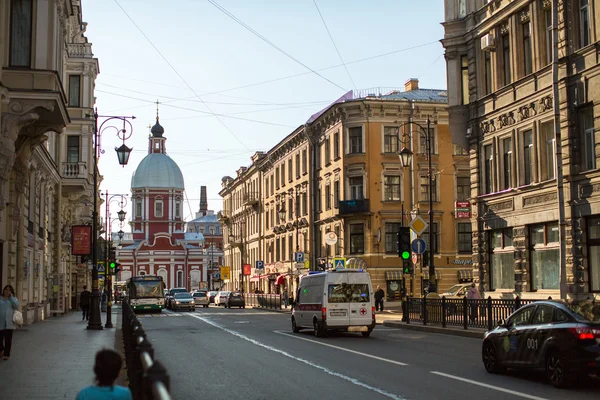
[
  {"x": 177, "y": 207},
  {"x": 179, "y": 278},
  {"x": 138, "y": 208},
  {"x": 158, "y": 207}
]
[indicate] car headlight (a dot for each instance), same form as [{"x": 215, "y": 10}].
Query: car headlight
[
  {"x": 177, "y": 302},
  {"x": 193, "y": 302}
]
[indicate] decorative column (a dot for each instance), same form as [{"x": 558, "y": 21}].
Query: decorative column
[{"x": 522, "y": 270}]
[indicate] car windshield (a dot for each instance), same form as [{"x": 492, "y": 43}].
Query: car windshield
[
  {"x": 586, "y": 311},
  {"x": 200, "y": 294},
  {"x": 174, "y": 291},
  {"x": 183, "y": 295},
  {"x": 348, "y": 293},
  {"x": 236, "y": 295},
  {"x": 454, "y": 289}
]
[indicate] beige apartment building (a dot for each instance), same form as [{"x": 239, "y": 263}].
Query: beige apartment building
[
  {"x": 334, "y": 188},
  {"x": 46, "y": 96},
  {"x": 525, "y": 109}
]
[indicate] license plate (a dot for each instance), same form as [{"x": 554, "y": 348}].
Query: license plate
[
  {"x": 338, "y": 313},
  {"x": 358, "y": 329}
]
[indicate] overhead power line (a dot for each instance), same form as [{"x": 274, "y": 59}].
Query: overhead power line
[
  {"x": 335, "y": 46},
  {"x": 236, "y": 19},
  {"x": 179, "y": 75}
]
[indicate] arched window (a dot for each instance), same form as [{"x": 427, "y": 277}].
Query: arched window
[
  {"x": 142, "y": 273},
  {"x": 158, "y": 207},
  {"x": 180, "y": 278},
  {"x": 137, "y": 211},
  {"x": 177, "y": 207},
  {"x": 163, "y": 274}
]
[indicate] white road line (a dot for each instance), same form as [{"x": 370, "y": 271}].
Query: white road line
[
  {"x": 342, "y": 348},
  {"x": 309, "y": 363},
  {"x": 498, "y": 388}
]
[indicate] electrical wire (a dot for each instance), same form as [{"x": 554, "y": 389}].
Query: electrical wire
[
  {"x": 236, "y": 19},
  {"x": 335, "y": 46},
  {"x": 179, "y": 75}
]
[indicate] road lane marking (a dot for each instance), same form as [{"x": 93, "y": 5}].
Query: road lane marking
[
  {"x": 485, "y": 385},
  {"x": 309, "y": 363},
  {"x": 342, "y": 348}
]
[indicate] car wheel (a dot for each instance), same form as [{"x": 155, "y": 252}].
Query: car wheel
[
  {"x": 243, "y": 306},
  {"x": 366, "y": 334},
  {"x": 295, "y": 327},
  {"x": 557, "y": 372},
  {"x": 318, "y": 330},
  {"x": 490, "y": 359}
]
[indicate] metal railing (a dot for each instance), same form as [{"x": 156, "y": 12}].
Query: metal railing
[
  {"x": 465, "y": 313},
  {"x": 148, "y": 378},
  {"x": 264, "y": 300}
]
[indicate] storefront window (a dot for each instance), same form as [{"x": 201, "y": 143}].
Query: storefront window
[
  {"x": 594, "y": 254},
  {"x": 545, "y": 256},
  {"x": 501, "y": 259}
]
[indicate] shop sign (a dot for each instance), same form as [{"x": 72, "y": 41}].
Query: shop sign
[{"x": 462, "y": 209}]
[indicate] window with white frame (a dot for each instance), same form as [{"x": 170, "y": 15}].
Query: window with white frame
[
  {"x": 464, "y": 79},
  {"x": 304, "y": 161},
  {"x": 327, "y": 151},
  {"x": 435, "y": 243},
  {"x": 298, "y": 165},
  {"x": 487, "y": 72},
  {"x": 586, "y": 124},
  {"x": 424, "y": 187},
  {"x": 290, "y": 174},
  {"x": 336, "y": 145},
  {"x": 505, "y": 39},
  {"x": 488, "y": 169},
  {"x": 338, "y": 244},
  {"x": 392, "y": 188},
  {"x": 357, "y": 238},
  {"x": 593, "y": 259},
  {"x": 356, "y": 187},
  {"x": 527, "y": 48},
  {"x": 548, "y": 150},
  {"x": 158, "y": 207},
  {"x": 138, "y": 208},
  {"x": 547, "y": 32},
  {"x": 283, "y": 173},
  {"x": 391, "y": 242},
  {"x": 584, "y": 23},
  {"x": 423, "y": 141},
  {"x": 304, "y": 203},
  {"x": 507, "y": 161},
  {"x": 336, "y": 193},
  {"x": 390, "y": 139},
  {"x": 74, "y": 90},
  {"x": 463, "y": 187},
  {"x": 177, "y": 208},
  {"x": 180, "y": 278},
  {"x": 20, "y": 32},
  {"x": 459, "y": 151},
  {"x": 355, "y": 140},
  {"x": 464, "y": 231},
  {"x": 73, "y": 148},
  {"x": 545, "y": 256},
  {"x": 501, "y": 259},
  {"x": 528, "y": 160},
  {"x": 328, "y": 196}
]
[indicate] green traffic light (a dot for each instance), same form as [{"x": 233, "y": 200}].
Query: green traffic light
[
  {"x": 112, "y": 264},
  {"x": 405, "y": 255}
]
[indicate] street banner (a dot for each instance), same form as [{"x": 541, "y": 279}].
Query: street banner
[
  {"x": 247, "y": 269},
  {"x": 81, "y": 240}
]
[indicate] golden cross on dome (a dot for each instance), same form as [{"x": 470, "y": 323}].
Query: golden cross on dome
[{"x": 157, "y": 103}]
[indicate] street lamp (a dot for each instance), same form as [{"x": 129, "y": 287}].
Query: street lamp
[
  {"x": 298, "y": 190},
  {"x": 107, "y": 269},
  {"x": 123, "y": 152},
  {"x": 405, "y": 156}
]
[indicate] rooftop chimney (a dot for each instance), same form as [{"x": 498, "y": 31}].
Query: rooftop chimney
[
  {"x": 411, "y": 84},
  {"x": 203, "y": 200}
]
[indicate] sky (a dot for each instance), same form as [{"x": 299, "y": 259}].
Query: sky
[{"x": 233, "y": 77}]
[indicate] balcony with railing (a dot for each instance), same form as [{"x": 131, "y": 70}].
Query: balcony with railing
[
  {"x": 80, "y": 50},
  {"x": 348, "y": 207},
  {"x": 251, "y": 198},
  {"x": 74, "y": 170}
]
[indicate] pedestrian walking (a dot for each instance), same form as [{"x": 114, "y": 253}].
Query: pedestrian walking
[
  {"x": 106, "y": 368},
  {"x": 473, "y": 295},
  {"x": 84, "y": 303},
  {"x": 8, "y": 305},
  {"x": 286, "y": 297},
  {"x": 379, "y": 295},
  {"x": 103, "y": 300}
]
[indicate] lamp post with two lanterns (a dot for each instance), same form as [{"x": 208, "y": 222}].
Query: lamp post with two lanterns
[
  {"x": 109, "y": 258},
  {"x": 406, "y": 158},
  {"x": 123, "y": 152},
  {"x": 298, "y": 190}
]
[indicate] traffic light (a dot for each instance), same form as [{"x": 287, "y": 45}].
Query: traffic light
[
  {"x": 407, "y": 267},
  {"x": 114, "y": 266},
  {"x": 403, "y": 241}
]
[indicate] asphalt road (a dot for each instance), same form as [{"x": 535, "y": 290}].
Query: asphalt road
[{"x": 251, "y": 354}]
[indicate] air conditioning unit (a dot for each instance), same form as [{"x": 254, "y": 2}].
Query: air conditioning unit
[{"x": 488, "y": 43}]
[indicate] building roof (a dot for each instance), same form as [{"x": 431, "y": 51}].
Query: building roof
[
  {"x": 157, "y": 170},
  {"x": 193, "y": 236},
  {"x": 210, "y": 218}
]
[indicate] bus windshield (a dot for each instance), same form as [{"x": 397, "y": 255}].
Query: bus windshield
[{"x": 146, "y": 289}]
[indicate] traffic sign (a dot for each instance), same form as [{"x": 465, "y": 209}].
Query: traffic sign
[
  {"x": 418, "y": 246},
  {"x": 339, "y": 263},
  {"x": 260, "y": 264},
  {"x": 415, "y": 258},
  {"x": 299, "y": 257},
  {"x": 101, "y": 267},
  {"x": 418, "y": 225}
]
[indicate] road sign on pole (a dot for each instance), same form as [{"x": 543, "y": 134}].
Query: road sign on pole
[
  {"x": 418, "y": 246},
  {"x": 299, "y": 257},
  {"x": 260, "y": 265},
  {"x": 339, "y": 263},
  {"x": 418, "y": 225}
]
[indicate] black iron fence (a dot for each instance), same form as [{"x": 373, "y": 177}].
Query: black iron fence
[
  {"x": 148, "y": 378},
  {"x": 465, "y": 313},
  {"x": 264, "y": 300}
]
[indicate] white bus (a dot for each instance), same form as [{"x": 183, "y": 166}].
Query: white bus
[{"x": 146, "y": 293}]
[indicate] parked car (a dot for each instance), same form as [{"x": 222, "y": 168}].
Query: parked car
[
  {"x": 456, "y": 292},
  {"x": 211, "y": 296},
  {"x": 183, "y": 301},
  {"x": 170, "y": 294},
  {"x": 235, "y": 299},
  {"x": 545, "y": 335},
  {"x": 220, "y": 298},
  {"x": 201, "y": 298}
]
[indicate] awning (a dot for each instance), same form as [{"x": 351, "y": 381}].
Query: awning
[
  {"x": 280, "y": 279},
  {"x": 465, "y": 274},
  {"x": 393, "y": 275},
  {"x": 438, "y": 274},
  {"x": 256, "y": 278}
]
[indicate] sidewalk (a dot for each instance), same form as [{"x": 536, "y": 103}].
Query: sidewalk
[{"x": 54, "y": 359}]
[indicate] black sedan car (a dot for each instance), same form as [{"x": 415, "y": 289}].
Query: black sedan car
[
  {"x": 235, "y": 299},
  {"x": 545, "y": 335}
]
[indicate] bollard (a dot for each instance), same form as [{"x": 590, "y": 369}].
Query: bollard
[
  {"x": 465, "y": 312},
  {"x": 156, "y": 373},
  {"x": 443, "y": 311}
]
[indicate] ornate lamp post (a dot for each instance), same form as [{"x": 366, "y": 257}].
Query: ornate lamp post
[
  {"x": 405, "y": 156},
  {"x": 123, "y": 152},
  {"x": 107, "y": 268}
]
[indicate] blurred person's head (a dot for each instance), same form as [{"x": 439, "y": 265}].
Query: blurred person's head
[{"x": 107, "y": 367}]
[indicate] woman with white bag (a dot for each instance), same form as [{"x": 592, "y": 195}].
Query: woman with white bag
[{"x": 9, "y": 309}]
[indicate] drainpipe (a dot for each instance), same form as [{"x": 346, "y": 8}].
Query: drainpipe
[
  {"x": 559, "y": 165},
  {"x": 312, "y": 185}
]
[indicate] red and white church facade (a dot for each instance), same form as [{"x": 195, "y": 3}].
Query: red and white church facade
[{"x": 158, "y": 243}]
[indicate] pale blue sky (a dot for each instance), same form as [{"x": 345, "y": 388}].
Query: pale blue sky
[{"x": 213, "y": 53}]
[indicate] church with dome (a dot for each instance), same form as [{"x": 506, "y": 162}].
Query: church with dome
[{"x": 159, "y": 243}]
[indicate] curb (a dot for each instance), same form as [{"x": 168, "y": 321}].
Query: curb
[
  {"x": 290, "y": 312},
  {"x": 477, "y": 334}
]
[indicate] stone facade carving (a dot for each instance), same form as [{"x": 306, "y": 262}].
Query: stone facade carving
[
  {"x": 544, "y": 198},
  {"x": 503, "y": 205},
  {"x": 587, "y": 190}
]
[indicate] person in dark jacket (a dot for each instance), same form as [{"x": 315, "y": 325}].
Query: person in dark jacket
[
  {"x": 379, "y": 295},
  {"x": 84, "y": 303}
]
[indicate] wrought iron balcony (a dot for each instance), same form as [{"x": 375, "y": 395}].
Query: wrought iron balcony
[
  {"x": 354, "y": 206},
  {"x": 251, "y": 198}
]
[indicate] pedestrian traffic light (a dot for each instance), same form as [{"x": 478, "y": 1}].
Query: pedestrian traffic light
[
  {"x": 403, "y": 242},
  {"x": 407, "y": 267}
]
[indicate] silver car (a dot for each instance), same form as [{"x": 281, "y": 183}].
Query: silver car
[
  {"x": 201, "y": 298},
  {"x": 221, "y": 297},
  {"x": 183, "y": 301}
]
